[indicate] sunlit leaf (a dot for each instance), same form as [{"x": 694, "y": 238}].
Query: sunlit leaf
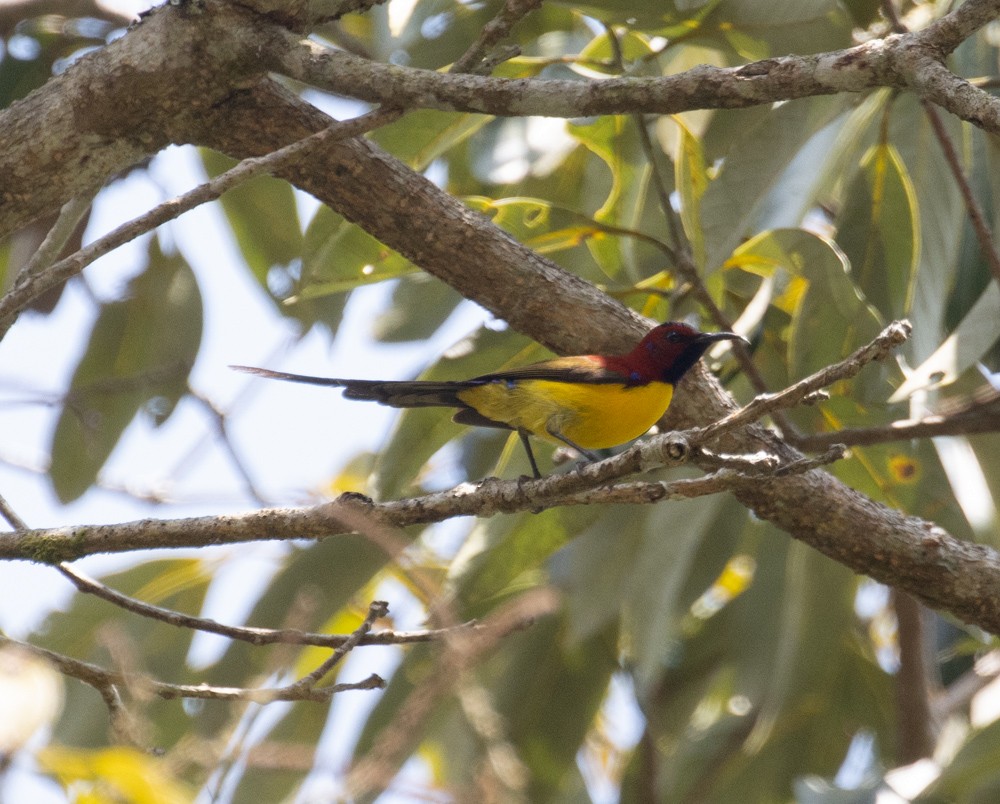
[
  {"x": 115, "y": 774},
  {"x": 828, "y": 302},
  {"x": 692, "y": 182},
  {"x": 941, "y": 216},
  {"x": 600, "y": 57},
  {"x": 615, "y": 141}
]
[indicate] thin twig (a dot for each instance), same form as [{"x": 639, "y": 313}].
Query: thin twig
[
  {"x": 30, "y": 287},
  {"x": 376, "y": 610},
  {"x": 254, "y": 636},
  {"x": 892, "y": 336},
  {"x": 971, "y": 422},
  {"x": 10, "y": 515},
  {"x": 57, "y": 237},
  {"x": 689, "y": 488},
  {"x": 102, "y": 679},
  {"x": 513, "y": 11},
  {"x": 219, "y": 420},
  {"x": 976, "y": 215}
]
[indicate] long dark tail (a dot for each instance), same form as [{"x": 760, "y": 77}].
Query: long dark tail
[{"x": 396, "y": 394}]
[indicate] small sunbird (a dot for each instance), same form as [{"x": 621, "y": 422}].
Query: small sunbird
[{"x": 586, "y": 402}]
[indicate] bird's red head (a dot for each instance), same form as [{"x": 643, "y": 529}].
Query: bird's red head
[{"x": 668, "y": 351}]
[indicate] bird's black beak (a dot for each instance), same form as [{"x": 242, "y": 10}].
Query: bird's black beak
[{"x": 712, "y": 337}]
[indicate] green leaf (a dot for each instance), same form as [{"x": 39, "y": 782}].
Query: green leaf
[
  {"x": 784, "y": 672},
  {"x": 691, "y": 180},
  {"x": 263, "y": 217},
  {"x": 139, "y": 354},
  {"x": 338, "y": 256},
  {"x": 669, "y": 18},
  {"x": 420, "y": 304},
  {"x": 423, "y": 135},
  {"x": 298, "y": 730},
  {"x": 756, "y": 29},
  {"x": 879, "y": 231},
  {"x": 941, "y": 218},
  {"x": 755, "y": 162},
  {"x": 863, "y": 12},
  {"x": 614, "y": 140},
  {"x": 622, "y": 565},
  {"x": 506, "y": 554},
  {"x": 417, "y": 668},
  {"x": 599, "y": 58},
  {"x": 549, "y": 691},
  {"x": 972, "y": 775}
]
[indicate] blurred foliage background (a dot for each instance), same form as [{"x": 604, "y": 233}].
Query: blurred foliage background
[{"x": 698, "y": 653}]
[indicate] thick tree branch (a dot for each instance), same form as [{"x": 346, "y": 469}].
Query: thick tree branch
[
  {"x": 900, "y": 60},
  {"x": 150, "y": 88},
  {"x": 34, "y": 282}
]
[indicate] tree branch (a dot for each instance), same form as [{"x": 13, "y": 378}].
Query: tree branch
[
  {"x": 192, "y": 60},
  {"x": 886, "y": 544},
  {"x": 980, "y": 415},
  {"x": 250, "y": 634},
  {"x": 32, "y": 283},
  {"x": 900, "y": 60},
  {"x": 352, "y": 512}
]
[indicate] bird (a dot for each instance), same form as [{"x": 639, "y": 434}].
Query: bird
[{"x": 587, "y": 402}]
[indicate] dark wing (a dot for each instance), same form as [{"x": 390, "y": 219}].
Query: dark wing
[{"x": 580, "y": 368}]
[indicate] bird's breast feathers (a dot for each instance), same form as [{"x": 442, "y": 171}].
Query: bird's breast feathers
[{"x": 591, "y": 415}]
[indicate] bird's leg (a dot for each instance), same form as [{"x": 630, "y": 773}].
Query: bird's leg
[
  {"x": 590, "y": 456},
  {"x": 531, "y": 455}
]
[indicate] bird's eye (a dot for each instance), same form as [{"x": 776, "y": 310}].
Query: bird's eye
[{"x": 674, "y": 337}]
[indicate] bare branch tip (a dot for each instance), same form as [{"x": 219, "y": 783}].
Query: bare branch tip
[{"x": 898, "y": 331}]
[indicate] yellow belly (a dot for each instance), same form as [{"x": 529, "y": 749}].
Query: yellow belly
[{"x": 591, "y": 416}]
